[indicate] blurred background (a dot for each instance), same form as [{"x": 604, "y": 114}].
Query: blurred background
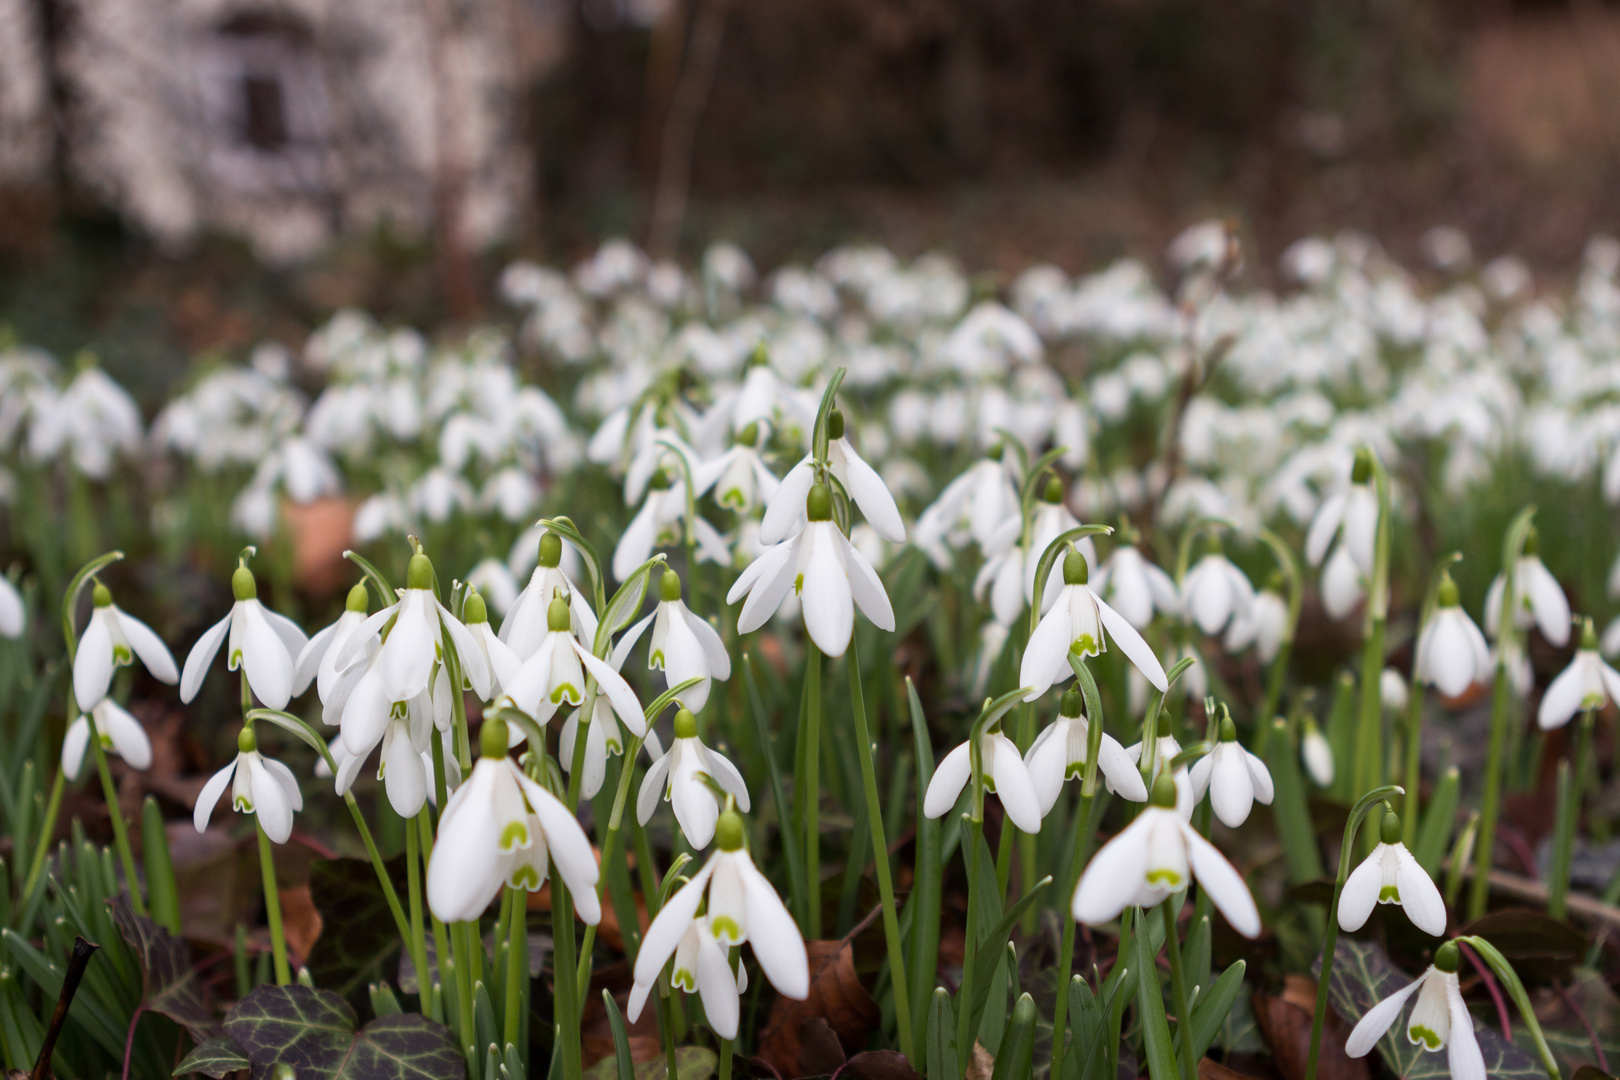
[{"x": 178, "y": 179}]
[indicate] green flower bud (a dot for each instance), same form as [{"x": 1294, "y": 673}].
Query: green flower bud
[
  {"x": 685, "y": 724},
  {"x": 669, "y": 587},
  {"x": 1070, "y": 705},
  {"x": 1589, "y": 638},
  {"x": 420, "y": 573},
  {"x": 474, "y": 611},
  {"x": 1447, "y": 957},
  {"x": 1532, "y": 541},
  {"x": 557, "y": 617},
  {"x": 1446, "y": 594},
  {"x": 359, "y": 599},
  {"x": 1053, "y": 492},
  {"x": 660, "y": 480},
  {"x": 729, "y": 831},
  {"x": 1389, "y": 830},
  {"x": 101, "y": 596},
  {"x": 245, "y": 740},
  {"x": 818, "y": 504},
  {"x": 550, "y": 549},
  {"x": 1075, "y": 570},
  {"x": 243, "y": 587},
  {"x": 1167, "y": 726},
  {"x": 835, "y": 424},
  {"x": 1164, "y": 791},
  {"x": 1228, "y": 730},
  {"x": 995, "y": 452},
  {"x": 749, "y": 435},
  {"x": 493, "y": 738}
]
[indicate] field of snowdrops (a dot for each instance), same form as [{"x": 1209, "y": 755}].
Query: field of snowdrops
[{"x": 856, "y": 670}]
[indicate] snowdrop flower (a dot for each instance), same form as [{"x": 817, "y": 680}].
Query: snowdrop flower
[
  {"x": 1233, "y": 777},
  {"x": 262, "y": 643},
  {"x": 502, "y": 828},
  {"x": 1215, "y": 592},
  {"x": 1392, "y": 690},
  {"x": 658, "y": 524},
  {"x": 1075, "y": 623},
  {"x": 1341, "y": 584},
  {"x": 785, "y": 512},
  {"x": 1451, "y": 653},
  {"x": 742, "y": 907},
  {"x": 93, "y": 419},
  {"x": 1440, "y": 1018},
  {"x": 703, "y": 967},
  {"x": 683, "y": 646},
  {"x": 1165, "y": 749},
  {"x": 557, "y": 671},
  {"x": 1059, "y": 753},
  {"x": 1136, "y": 587},
  {"x": 739, "y": 477},
  {"x": 1587, "y": 684},
  {"x": 1317, "y": 753},
  {"x": 259, "y": 785},
  {"x": 602, "y": 737},
  {"x": 1352, "y": 512},
  {"x": 682, "y": 778},
  {"x": 502, "y": 662},
  {"x": 1264, "y": 625},
  {"x": 119, "y": 733},
  {"x": 1005, "y": 776},
  {"x": 824, "y": 571},
  {"x": 12, "y": 614},
  {"x": 525, "y": 625},
  {"x": 1538, "y": 598},
  {"x": 1390, "y": 875},
  {"x": 978, "y": 502},
  {"x": 1154, "y": 856},
  {"x": 317, "y": 661},
  {"x": 112, "y": 640}
]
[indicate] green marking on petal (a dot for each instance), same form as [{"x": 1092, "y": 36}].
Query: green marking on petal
[
  {"x": 105, "y": 740},
  {"x": 1389, "y": 894},
  {"x": 733, "y": 498},
  {"x": 724, "y": 926},
  {"x": 1169, "y": 879},
  {"x": 685, "y": 980},
  {"x": 514, "y": 835},
  {"x": 1084, "y": 645},
  {"x": 1590, "y": 701},
  {"x": 243, "y": 804},
  {"x": 655, "y": 660},
  {"x": 568, "y": 690},
  {"x": 525, "y": 877},
  {"x": 798, "y": 585},
  {"x": 122, "y": 656},
  {"x": 1419, "y": 1032}
]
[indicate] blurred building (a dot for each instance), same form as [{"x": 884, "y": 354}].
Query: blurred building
[{"x": 285, "y": 121}]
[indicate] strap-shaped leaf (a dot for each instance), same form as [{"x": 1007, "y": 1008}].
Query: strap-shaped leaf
[
  {"x": 789, "y": 838},
  {"x": 991, "y": 947},
  {"x": 1210, "y": 1010},
  {"x": 940, "y": 1050},
  {"x": 1161, "y": 1054},
  {"x": 621, "y": 1041},
  {"x": 386, "y": 596},
  {"x": 624, "y": 605},
  {"x": 819, "y": 438}
]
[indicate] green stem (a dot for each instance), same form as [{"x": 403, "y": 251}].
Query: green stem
[
  {"x": 880, "y": 852},
  {"x": 441, "y": 936},
  {"x": 1568, "y": 815},
  {"x": 1485, "y": 851},
  {"x": 1331, "y": 940},
  {"x": 812, "y": 779},
  {"x": 666, "y": 1028},
  {"x": 1414, "y": 759},
  {"x": 1178, "y": 988},
  {"x": 417, "y": 942},
  {"x": 1060, "y": 1013},
  {"x": 116, "y": 814},
  {"x": 1369, "y": 759},
  {"x": 610, "y": 850},
  {"x": 964, "y": 997},
  {"x": 42, "y": 849},
  {"x": 566, "y": 1007},
  {"x": 459, "y": 933},
  {"x": 1274, "y": 689},
  {"x": 517, "y": 966},
  {"x": 272, "y": 906}
]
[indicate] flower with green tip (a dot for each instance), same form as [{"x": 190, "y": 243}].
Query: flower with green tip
[
  {"x": 1390, "y": 875},
  {"x": 682, "y": 646},
  {"x": 263, "y": 644},
  {"x": 1440, "y": 1020},
  {"x": 1215, "y": 592},
  {"x": 1352, "y": 514},
  {"x": 1451, "y": 653},
  {"x": 556, "y": 673},
  {"x": 1005, "y": 776},
  {"x": 317, "y": 661},
  {"x": 1588, "y": 683},
  {"x": 738, "y": 476},
  {"x": 785, "y": 511},
  {"x": 1059, "y": 753},
  {"x": 525, "y": 624},
  {"x": 119, "y": 732},
  {"x": 1077, "y": 622},
  {"x": 683, "y": 777},
  {"x": 112, "y": 640},
  {"x": 259, "y": 785},
  {"x": 1234, "y": 778},
  {"x": 742, "y": 907},
  {"x": 1538, "y": 599}
]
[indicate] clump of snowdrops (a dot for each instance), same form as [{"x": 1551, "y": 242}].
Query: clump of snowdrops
[{"x": 991, "y": 602}]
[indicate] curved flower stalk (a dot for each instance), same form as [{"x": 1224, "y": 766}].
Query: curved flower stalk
[
  {"x": 1439, "y": 1021},
  {"x": 259, "y": 785},
  {"x": 1136, "y": 587},
  {"x": 741, "y": 907},
  {"x": 1156, "y": 855},
  {"x": 1538, "y": 599},
  {"x": 525, "y": 624},
  {"x": 1390, "y": 875},
  {"x": 1076, "y": 623},
  {"x": 262, "y": 643},
  {"x": 502, "y": 828},
  {"x": 786, "y": 513},
  {"x": 1005, "y": 776},
  {"x": 691, "y": 778},
  {"x": 682, "y": 646},
  {"x": 827, "y": 573},
  {"x": 1586, "y": 685},
  {"x": 1234, "y": 778},
  {"x": 1059, "y": 754},
  {"x": 119, "y": 733},
  {"x": 113, "y": 639}
]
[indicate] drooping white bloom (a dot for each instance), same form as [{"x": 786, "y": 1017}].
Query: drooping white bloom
[
  {"x": 660, "y": 523},
  {"x": 761, "y": 398},
  {"x": 974, "y": 505},
  {"x": 502, "y": 828},
  {"x": 262, "y": 643},
  {"x": 603, "y": 737},
  {"x": 785, "y": 512},
  {"x": 1005, "y": 775},
  {"x": 1317, "y": 753},
  {"x": 12, "y": 614},
  {"x": 1076, "y": 623},
  {"x": 111, "y": 640},
  {"x": 1215, "y": 592},
  {"x": 1154, "y": 856},
  {"x": 1234, "y": 778},
  {"x": 683, "y": 646},
  {"x": 1390, "y": 875},
  {"x": 1353, "y": 512},
  {"x": 1342, "y": 587},
  {"x": 262, "y": 786},
  {"x": 739, "y": 477},
  {"x": 556, "y": 674},
  {"x": 1538, "y": 598},
  {"x": 1392, "y": 691},
  {"x": 1012, "y": 557},
  {"x": 1165, "y": 749},
  {"x": 525, "y": 625},
  {"x": 1451, "y": 653},
  {"x": 1059, "y": 753},
  {"x": 119, "y": 733},
  {"x": 317, "y": 661},
  {"x": 92, "y": 421},
  {"x": 682, "y": 778},
  {"x": 1135, "y": 586},
  {"x": 1264, "y": 626},
  {"x": 742, "y": 908},
  {"x": 1440, "y": 1019},
  {"x": 1588, "y": 683},
  {"x": 828, "y": 575}
]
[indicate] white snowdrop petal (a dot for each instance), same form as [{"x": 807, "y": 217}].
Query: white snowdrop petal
[
  {"x": 1222, "y": 882},
  {"x": 664, "y": 933},
  {"x": 950, "y": 777},
  {"x": 208, "y": 798},
  {"x": 1114, "y": 875},
  {"x": 1372, "y": 1026},
  {"x": 774, "y": 936},
  {"x": 1419, "y": 896},
  {"x": 93, "y": 663},
  {"x": 829, "y": 611},
  {"x": 610, "y": 683},
  {"x": 149, "y": 647},
  {"x": 1360, "y": 893},
  {"x": 1463, "y": 1056},
  {"x": 268, "y": 665}
]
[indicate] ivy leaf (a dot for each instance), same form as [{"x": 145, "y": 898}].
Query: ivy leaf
[
  {"x": 168, "y": 981},
  {"x": 314, "y": 1032},
  {"x": 358, "y": 935},
  {"x": 1364, "y": 976},
  {"x": 217, "y": 1057}
]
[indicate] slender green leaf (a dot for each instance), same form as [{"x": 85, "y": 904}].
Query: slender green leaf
[
  {"x": 1018, "y": 1043},
  {"x": 941, "y": 1038},
  {"x": 787, "y": 835},
  {"x": 1161, "y": 1054},
  {"x": 1211, "y": 1009},
  {"x": 1439, "y": 820},
  {"x": 926, "y": 898},
  {"x": 621, "y": 1041}
]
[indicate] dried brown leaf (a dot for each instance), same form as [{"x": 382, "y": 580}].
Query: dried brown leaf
[
  {"x": 836, "y": 998},
  {"x": 1285, "y": 1023}
]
